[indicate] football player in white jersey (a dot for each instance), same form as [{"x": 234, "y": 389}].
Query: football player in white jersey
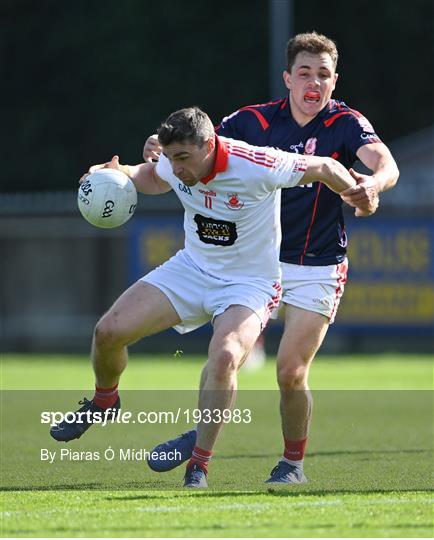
[{"x": 230, "y": 193}]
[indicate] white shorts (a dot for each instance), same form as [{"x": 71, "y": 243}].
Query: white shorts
[
  {"x": 314, "y": 288},
  {"x": 199, "y": 297}
]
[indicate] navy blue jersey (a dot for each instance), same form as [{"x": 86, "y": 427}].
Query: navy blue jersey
[{"x": 313, "y": 230}]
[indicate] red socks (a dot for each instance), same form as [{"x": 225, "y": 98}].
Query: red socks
[
  {"x": 201, "y": 458},
  {"x": 105, "y": 397},
  {"x": 294, "y": 450}
]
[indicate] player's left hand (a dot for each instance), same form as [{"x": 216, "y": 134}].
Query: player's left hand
[
  {"x": 364, "y": 196},
  {"x": 112, "y": 164}
]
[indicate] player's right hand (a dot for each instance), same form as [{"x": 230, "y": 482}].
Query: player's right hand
[
  {"x": 152, "y": 149},
  {"x": 364, "y": 196},
  {"x": 112, "y": 164}
]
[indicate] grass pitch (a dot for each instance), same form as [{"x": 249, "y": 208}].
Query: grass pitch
[{"x": 370, "y": 472}]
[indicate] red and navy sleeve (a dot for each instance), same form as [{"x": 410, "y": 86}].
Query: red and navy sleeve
[
  {"x": 251, "y": 123},
  {"x": 358, "y": 132},
  {"x": 230, "y": 127}
]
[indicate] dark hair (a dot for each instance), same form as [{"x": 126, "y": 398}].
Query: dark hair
[
  {"x": 312, "y": 43},
  {"x": 186, "y": 125}
]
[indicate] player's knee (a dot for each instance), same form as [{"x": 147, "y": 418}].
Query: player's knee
[
  {"x": 225, "y": 364},
  {"x": 106, "y": 335},
  {"x": 292, "y": 376}
]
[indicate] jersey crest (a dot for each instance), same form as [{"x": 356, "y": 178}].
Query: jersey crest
[
  {"x": 233, "y": 202},
  {"x": 310, "y": 146}
]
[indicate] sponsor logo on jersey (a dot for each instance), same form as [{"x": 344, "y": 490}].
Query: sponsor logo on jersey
[
  {"x": 233, "y": 202},
  {"x": 365, "y": 124},
  {"x": 295, "y": 147},
  {"x": 343, "y": 242},
  {"x": 321, "y": 301},
  {"x": 208, "y": 199},
  {"x": 300, "y": 165},
  {"x": 215, "y": 231},
  {"x": 369, "y": 136},
  {"x": 185, "y": 189},
  {"x": 310, "y": 146}
]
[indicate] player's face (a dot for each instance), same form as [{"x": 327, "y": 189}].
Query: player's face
[
  {"x": 311, "y": 82},
  {"x": 190, "y": 163}
]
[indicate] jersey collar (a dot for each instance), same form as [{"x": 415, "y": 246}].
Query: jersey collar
[
  {"x": 326, "y": 109},
  {"x": 221, "y": 160}
]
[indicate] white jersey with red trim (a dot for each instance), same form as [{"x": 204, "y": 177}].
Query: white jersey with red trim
[{"x": 232, "y": 217}]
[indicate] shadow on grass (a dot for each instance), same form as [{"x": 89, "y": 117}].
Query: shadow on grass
[
  {"x": 278, "y": 492},
  {"x": 155, "y": 493},
  {"x": 333, "y": 453},
  {"x": 94, "y": 486}
]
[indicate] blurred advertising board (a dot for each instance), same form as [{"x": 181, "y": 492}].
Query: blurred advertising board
[
  {"x": 391, "y": 277},
  {"x": 391, "y": 270}
]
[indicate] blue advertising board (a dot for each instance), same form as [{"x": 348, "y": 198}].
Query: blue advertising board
[
  {"x": 152, "y": 241},
  {"x": 391, "y": 276},
  {"x": 391, "y": 270}
]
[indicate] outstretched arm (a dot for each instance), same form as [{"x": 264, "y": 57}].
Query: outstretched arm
[
  {"x": 328, "y": 171},
  {"x": 143, "y": 176},
  {"x": 331, "y": 173}
]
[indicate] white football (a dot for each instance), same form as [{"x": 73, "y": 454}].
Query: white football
[{"x": 107, "y": 198}]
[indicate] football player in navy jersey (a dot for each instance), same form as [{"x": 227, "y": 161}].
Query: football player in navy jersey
[{"x": 313, "y": 250}]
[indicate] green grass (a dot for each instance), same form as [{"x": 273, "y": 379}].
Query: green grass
[
  {"x": 131, "y": 514},
  {"x": 369, "y": 459},
  {"x": 376, "y": 372}
]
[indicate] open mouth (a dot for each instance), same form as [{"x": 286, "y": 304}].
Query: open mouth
[{"x": 312, "y": 97}]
